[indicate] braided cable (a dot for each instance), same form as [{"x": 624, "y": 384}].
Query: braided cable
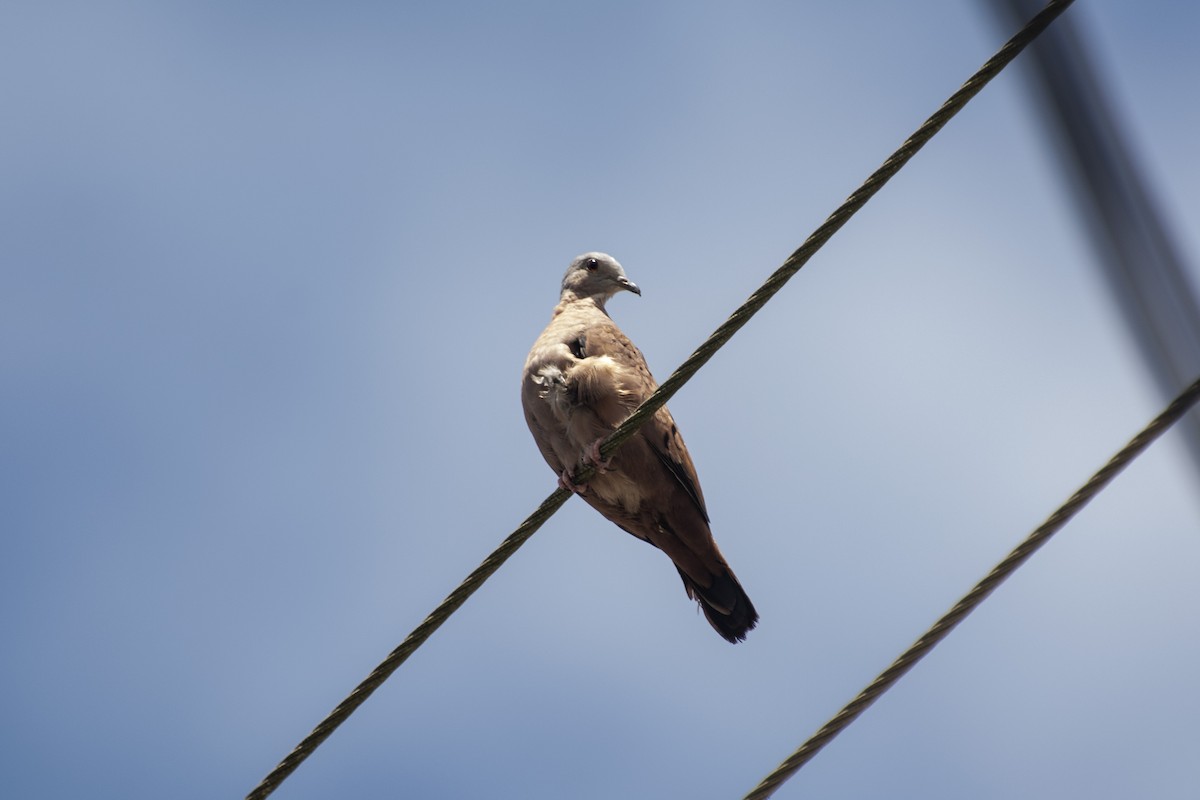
[{"x": 886, "y": 679}]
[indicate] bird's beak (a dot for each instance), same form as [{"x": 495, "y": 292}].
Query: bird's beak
[{"x": 629, "y": 285}]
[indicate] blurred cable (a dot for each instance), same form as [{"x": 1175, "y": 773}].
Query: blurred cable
[{"x": 1143, "y": 267}]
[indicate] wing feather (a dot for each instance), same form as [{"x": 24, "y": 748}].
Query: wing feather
[{"x": 660, "y": 432}]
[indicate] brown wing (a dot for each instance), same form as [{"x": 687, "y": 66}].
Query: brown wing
[
  {"x": 660, "y": 431},
  {"x": 671, "y": 515}
]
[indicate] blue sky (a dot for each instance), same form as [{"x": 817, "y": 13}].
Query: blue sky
[{"x": 270, "y": 273}]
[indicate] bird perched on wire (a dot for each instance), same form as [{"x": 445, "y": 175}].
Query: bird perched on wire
[{"x": 582, "y": 378}]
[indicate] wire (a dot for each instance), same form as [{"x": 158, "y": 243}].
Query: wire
[
  {"x": 1173, "y": 413},
  {"x": 411, "y": 642},
  {"x": 660, "y": 397}
]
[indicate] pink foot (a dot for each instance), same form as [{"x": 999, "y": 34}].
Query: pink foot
[
  {"x": 592, "y": 457},
  {"x": 564, "y": 482}
]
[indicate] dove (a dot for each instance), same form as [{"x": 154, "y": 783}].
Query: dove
[{"x": 582, "y": 378}]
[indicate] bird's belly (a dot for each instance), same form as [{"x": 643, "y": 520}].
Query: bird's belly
[{"x": 618, "y": 489}]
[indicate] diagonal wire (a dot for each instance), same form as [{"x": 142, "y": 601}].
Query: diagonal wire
[
  {"x": 664, "y": 393},
  {"x": 836, "y": 220},
  {"x": 941, "y": 629},
  {"x": 411, "y": 642}
]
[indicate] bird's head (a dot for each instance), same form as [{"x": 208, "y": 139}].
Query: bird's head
[{"x": 598, "y": 276}]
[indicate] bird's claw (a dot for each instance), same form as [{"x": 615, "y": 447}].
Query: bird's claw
[
  {"x": 565, "y": 482},
  {"x": 592, "y": 458}
]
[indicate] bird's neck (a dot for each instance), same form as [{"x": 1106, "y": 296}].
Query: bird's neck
[{"x": 570, "y": 299}]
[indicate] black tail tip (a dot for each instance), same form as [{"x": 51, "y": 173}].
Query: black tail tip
[
  {"x": 733, "y": 626},
  {"x": 725, "y": 605}
]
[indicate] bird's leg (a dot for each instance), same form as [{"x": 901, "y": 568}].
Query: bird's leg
[
  {"x": 565, "y": 482},
  {"x": 592, "y": 457}
]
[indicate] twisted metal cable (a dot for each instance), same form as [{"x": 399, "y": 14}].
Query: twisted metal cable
[
  {"x": 1173, "y": 413},
  {"x": 830, "y": 226},
  {"x": 660, "y": 397},
  {"x": 411, "y": 642}
]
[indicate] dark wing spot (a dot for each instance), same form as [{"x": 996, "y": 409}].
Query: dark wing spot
[{"x": 577, "y": 346}]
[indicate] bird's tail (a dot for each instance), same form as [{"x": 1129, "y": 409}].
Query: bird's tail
[{"x": 725, "y": 605}]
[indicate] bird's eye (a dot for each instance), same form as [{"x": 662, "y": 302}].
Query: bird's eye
[{"x": 592, "y": 265}]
